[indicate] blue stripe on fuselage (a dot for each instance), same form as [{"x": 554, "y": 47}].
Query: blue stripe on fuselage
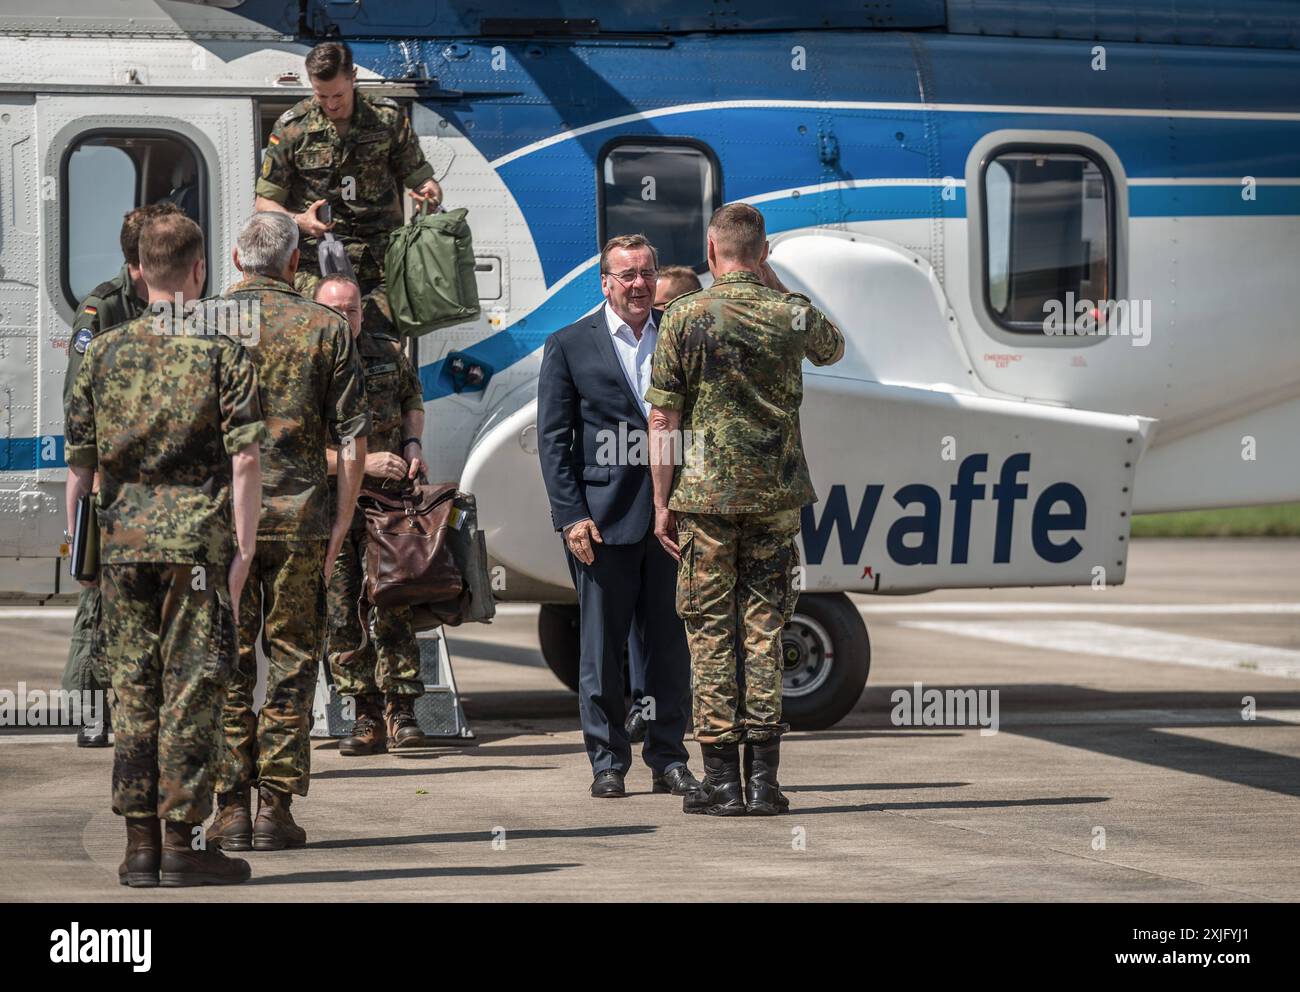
[{"x": 893, "y": 144}]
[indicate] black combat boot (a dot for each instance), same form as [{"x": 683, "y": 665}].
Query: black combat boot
[
  {"x": 369, "y": 735},
  {"x": 720, "y": 793},
  {"x": 96, "y": 734},
  {"x": 274, "y": 829},
  {"x": 232, "y": 827},
  {"x": 402, "y": 727},
  {"x": 139, "y": 869},
  {"x": 182, "y": 865},
  {"x": 763, "y": 796}
]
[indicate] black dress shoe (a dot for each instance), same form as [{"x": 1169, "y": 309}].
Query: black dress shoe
[
  {"x": 94, "y": 735},
  {"x": 678, "y": 780},
  {"x": 636, "y": 726},
  {"x": 608, "y": 785}
]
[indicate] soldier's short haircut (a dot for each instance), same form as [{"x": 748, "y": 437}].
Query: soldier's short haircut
[
  {"x": 169, "y": 245},
  {"x": 328, "y": 59},
  {"x": 738, "y": 232},
  {"x": 627, "y": 241},
  {"x": 267, "y": 242},
  {"x": 132, "y": 223},
  {"x": 334, "y": 278},
  {"x": 683, "y": 278}
]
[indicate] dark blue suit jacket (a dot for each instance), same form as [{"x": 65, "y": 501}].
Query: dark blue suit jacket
[{"x": 581, "y": 393}]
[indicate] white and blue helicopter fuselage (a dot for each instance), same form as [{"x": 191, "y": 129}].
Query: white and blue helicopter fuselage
[{"x": 927, "y": 189}]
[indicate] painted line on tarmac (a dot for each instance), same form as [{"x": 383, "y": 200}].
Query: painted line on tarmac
[
  {"x": 37, "y": 612},
  {"x": 1136, "y": 609},
  {"x": 1281, "y": 716},
  {"x": 1144, "y": 717},
  {"x": 1119, "y": 641}
]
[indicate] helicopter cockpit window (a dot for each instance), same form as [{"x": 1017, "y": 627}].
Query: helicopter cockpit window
[{"x": 663, "y": 188}]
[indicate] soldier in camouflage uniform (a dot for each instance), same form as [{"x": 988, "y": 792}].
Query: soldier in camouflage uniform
[
  {"x": 350, "y": 150},
  {"x": 379, "y": 674},
  {"x": 168, "y": 413},
  {"x": 312, "y": 391},
  {"x": 728, "y": 369},
  {"x": 109, "y": 304}
]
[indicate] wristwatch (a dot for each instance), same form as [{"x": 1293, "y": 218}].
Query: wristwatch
[{"x": 412, "y": 440}]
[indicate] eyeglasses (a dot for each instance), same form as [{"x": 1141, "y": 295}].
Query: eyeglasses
[{"x": 629, "y": 277}]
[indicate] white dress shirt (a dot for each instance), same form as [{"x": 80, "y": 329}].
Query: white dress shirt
[{"x": 635, "y": 357}]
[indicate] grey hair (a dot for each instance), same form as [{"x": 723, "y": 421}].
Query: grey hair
[{"x": 267, "y": 242}]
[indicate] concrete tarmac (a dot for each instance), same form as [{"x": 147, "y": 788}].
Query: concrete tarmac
[{"x": 1148, "y": 748}]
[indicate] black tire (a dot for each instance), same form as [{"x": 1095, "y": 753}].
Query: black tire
[
  {"x": 827, "y": 657},
  {"x": 557, "y": 629}
]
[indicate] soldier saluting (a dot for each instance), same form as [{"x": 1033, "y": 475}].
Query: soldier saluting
[
  {"x": 350, "y": 150},
  {"x": 729, "y": 368}
]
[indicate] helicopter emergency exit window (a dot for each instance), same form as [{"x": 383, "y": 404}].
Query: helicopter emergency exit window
[
  {"x": 1048, "y": 234},
  {"x": 106, "y": 174},
  {"x": 664, "y": 188}
]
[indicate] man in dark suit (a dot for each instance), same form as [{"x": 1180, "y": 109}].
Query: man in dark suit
[{"x": 593, "y": 444}]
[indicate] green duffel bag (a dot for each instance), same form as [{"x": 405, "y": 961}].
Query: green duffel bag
[{"x": 429, "y": 273}]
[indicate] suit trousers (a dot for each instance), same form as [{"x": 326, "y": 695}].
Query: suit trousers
[{"x": 631, "y": 588}]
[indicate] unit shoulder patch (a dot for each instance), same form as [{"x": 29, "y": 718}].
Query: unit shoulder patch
[{"x": 82, "y": 340}]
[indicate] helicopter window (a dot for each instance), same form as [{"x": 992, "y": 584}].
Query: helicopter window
[
  {"x": 1048, "y": 235},
  {"x": 106, "y": 174},
  {"x": 664, "y": 188}
]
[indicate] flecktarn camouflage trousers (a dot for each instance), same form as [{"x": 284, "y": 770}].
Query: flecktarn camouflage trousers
[
  {"x": 390, "y": 661},
  {"x": 284, "y": 600},
  {"x": 737, "y": 587},
  {"x": 169, "y": 640}
]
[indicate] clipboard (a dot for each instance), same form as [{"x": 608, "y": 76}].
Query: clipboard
[{"x": 83, "y": 561}]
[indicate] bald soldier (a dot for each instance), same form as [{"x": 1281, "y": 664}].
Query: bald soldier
[
  {"x": 352, "y": 151},
  {"x": 728, "y": 369},
  {"x": 381, "y": 674},
  {"x": 167, "y": 411}
]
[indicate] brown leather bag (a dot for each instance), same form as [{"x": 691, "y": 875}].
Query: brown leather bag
[{"x": 409, "y": 561}]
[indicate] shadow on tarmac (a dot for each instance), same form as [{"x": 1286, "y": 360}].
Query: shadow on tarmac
[
  {"x": 391, "y": 874},
  {"x": 481, "y": 836},
  {"x": 1134, "y": 726},
  {"x": 955, "y": 804},
  {"x": 396, "y": 772}
]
